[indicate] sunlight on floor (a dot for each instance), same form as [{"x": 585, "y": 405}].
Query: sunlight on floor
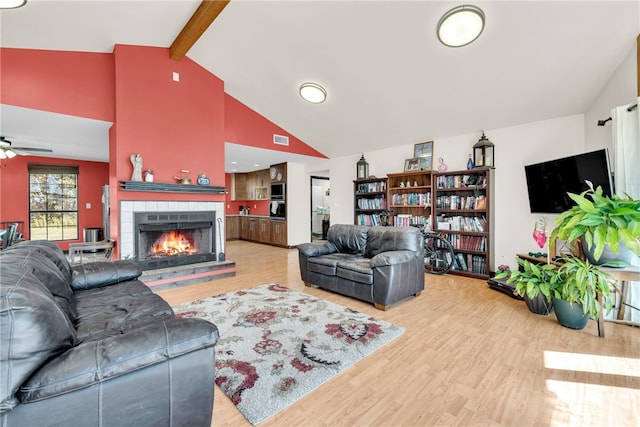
[
  {"x": 593, "y": 390},
  {"x": 592, "y": 363}
]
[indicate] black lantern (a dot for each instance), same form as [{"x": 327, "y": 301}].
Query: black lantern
[
  {"x": 483, "y": 153},
  {"x": 362, "y": 168}
]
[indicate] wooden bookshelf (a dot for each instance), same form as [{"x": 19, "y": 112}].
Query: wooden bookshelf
[
  {"x": 370, "y": 201},
  {"x": 462, "y": 212},
  {"x": 410, "y": 198}
]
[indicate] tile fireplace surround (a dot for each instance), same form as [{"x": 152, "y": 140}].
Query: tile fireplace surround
[{"x": 129, "y": 207}]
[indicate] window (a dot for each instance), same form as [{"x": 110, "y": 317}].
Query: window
[{"x": 53, "y": 202}]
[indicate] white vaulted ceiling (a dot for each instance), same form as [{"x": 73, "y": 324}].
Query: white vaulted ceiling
[{"x": 389, "y": 80}]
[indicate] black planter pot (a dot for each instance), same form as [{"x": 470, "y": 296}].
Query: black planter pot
[
  {"x": 608, "y": 254},
  {"x": 570, "y": 314},
  {"x": 539, "y": 305}
]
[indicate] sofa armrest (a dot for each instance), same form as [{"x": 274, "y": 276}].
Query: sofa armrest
[
  {"x": 103, "y": 273},
  {"x": 392, "y": 258},
  {"x": 97, "y": 361},
  {"x": 316, "y": 249}
]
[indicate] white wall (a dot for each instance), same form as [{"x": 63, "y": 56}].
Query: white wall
[
  {"x": 621, "y": 89},
  {"x": 515, "y": 147}
]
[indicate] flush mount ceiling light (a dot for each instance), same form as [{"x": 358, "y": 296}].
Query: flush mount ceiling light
[
  {"x": 313, "y": 93},
  {"x": 461, "y": 26},
  {"x": 12, "y": 4}
]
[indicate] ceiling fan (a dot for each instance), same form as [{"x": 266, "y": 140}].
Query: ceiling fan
[{"x": 8, "y": 151}]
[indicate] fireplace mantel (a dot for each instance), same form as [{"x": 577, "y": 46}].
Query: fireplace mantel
[{"x": 170, "y": 188}]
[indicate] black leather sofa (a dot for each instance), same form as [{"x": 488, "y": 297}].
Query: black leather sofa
[
  {"x": 382, "y": 265},
  {"x": 91, "y": 345}
]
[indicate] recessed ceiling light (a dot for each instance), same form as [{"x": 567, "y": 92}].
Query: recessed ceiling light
[
  {"x": 12, "y": 4},
  {"x": 313, "y": 93},
  {"x": 234, "y": 163},
  {"x": 461, "y": 25}
]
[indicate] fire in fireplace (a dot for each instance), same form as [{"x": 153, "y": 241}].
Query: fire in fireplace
[
  {"x": 166, "y": 239},
  {"x": 173, "y": 242}
]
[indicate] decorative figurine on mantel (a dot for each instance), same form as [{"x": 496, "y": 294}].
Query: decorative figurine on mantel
[
  {"x": 203, "y": 179},
  {"x": 136, "y": 161}
]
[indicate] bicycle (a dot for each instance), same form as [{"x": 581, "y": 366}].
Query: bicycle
[{"x": 438, "y": 253}]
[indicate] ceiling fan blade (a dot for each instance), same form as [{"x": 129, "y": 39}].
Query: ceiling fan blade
[{"x": 39, "y": 150}]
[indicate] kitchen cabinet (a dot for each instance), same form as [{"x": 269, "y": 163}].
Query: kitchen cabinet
[
  {"x": 244, "y": 227},
  {"x": 279, "y": 233},
  {"x": 239, "y": 186},
  {"x": 232, "y": 227},
  {"x": 253, "y": 229},
  {"x": 250, "y": 186},
  {"x": 264, "y": 230}
]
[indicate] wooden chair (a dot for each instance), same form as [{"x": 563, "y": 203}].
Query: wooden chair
[{"x": 81, "y": 253}]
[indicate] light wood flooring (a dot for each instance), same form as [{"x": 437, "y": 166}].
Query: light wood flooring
[{"x": 470, "y": 356}]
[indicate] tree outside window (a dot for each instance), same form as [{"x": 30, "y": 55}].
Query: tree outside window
[{"x": 53, "y": 202}]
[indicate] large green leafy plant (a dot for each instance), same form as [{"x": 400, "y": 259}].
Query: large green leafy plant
[
  {"x": 582, "y": 282},
  {"x": 601, "y": 221},
  {"x": 532, "y": 279}
]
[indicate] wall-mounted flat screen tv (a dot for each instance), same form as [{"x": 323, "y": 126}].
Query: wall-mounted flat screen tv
[{"x": 548, "y": 182}]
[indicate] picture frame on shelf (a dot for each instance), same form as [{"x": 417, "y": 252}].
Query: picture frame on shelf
[
  {"x": 417, "y": 164},
  {"x": 423, "y": 149}
]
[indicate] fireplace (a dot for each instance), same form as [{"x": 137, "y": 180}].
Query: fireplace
[{"x": 168, "y": 239}]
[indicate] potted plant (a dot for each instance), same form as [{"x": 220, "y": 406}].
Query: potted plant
[
  {"x": 534, "y": 282},
  {"x": 603, "y": 223},
  {"x": 578, "y": 286}
]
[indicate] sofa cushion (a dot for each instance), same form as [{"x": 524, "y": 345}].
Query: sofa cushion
[
  {"x": 383, "y": 239},
  {"x": 47, "y": 248},
  {"x": 103, "y": 273},
  {"x": 33, "y": 329},
  {"x": 357, "y": 271},
  {"x": 117, "y": 309},
  {"x": 46, "y": 271},
  {"x": 348, "y": 239},
  {"x": 327, "y": 264}
]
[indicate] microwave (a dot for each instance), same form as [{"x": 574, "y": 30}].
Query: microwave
[{"x": 278, "y": 191}]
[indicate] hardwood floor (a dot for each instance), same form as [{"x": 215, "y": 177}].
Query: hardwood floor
[{"x": 470, "y": 356}]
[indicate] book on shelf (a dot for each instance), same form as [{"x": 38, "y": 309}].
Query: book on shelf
[
  {"x": 372, "y": 187},
  {"x": 372, "y": 203}
]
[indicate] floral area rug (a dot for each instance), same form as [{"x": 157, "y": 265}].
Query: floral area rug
[{"x": 277, "y": 344}]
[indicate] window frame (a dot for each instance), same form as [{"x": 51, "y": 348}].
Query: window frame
[{"x": 64, "y": 194}]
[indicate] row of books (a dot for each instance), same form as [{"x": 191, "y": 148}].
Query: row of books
[
  {"x": 406, "y": 220},
  {"x": 463, "y": 223},
  {"x": 411, "y": 199},
  {"x": 373, "y": 203},
  {"x": 372, "y": 187},
  {"x": 365, "y": 219},
  {"x": 467, "y": 243},
  {"x": 461, "y": 202},
  {"x": 468, "y": 262},
  {"x": 461, "y": 181}
]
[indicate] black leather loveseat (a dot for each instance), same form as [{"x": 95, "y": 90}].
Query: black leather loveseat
[
  {"x": 93, "y": 346},
  {"x": 382, "y": 265}
]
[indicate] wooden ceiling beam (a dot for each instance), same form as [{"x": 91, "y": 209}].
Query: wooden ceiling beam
[{"x": 206, "y": 13}]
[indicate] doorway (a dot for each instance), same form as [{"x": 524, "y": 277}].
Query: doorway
[{"x": 320, "y": 194}]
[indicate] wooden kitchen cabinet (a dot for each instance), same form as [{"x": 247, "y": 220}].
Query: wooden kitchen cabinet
[
  {"x": 279, "y": 233},
  {"x": 244, "y": 227},
  {"x": 253, "y": 229},
  {"x": 232, "y": 227},
  {"x": 239, "y": 186},
  {"x": 264, "y": 230}
]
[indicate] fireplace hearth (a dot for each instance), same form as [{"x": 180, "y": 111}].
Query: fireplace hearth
[{"x": 168, "y": 239}]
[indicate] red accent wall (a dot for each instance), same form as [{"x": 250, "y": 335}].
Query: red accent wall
[
  {"x": 14, "y": 188},
  {"x": 246, "y": 127},
  {"x": 74, "y": 83},
  {"x": 173, "y": 125}
]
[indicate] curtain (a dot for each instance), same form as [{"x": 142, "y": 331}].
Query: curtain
[{"x": 626, "y": 149}]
